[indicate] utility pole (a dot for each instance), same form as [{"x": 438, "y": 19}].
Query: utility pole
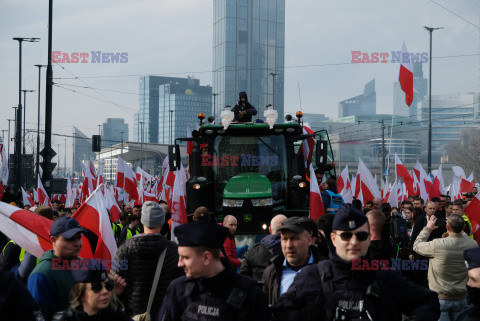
[
  {"x": 18, "y": 120},
  {"x": 383, "y": 148},
  {"x": 65, "y": 160},
  {"x": 214, "y": 105},
  {"x": 274, "y": 74},
  {"x": 25, "y": 114},
  {"x": 429, "y": 168},
  {"x": 37, "y": 165},
  {"x": 48, "y": 153},
  {"x": 121, "y": 147},
  {"x": 8, "y": 151},
  {"x": 141, "y": 145}
]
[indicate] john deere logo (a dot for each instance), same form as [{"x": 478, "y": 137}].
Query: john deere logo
[{"x": 247, "y": 217}]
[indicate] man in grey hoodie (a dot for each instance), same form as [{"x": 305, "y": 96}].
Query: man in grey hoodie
[{"x": 258, "y": 257}]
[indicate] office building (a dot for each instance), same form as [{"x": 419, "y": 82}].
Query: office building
[
  {"x": 314, "y": 121},
  {"x": 82, "y": 150},
  {"x": 364, "y": 104},
  {"x": 114, "y": 131},
  {"x": 167, "y": 106},
  {"x": 249, "y": 53},
  {"x": 420, "y": 86}
]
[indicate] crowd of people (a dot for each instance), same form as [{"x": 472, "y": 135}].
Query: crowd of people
[{"x": 372, "y": 262}]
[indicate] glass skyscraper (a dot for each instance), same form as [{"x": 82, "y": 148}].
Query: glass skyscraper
[
  {"x": 249, "y": 53},
  {"x": 365, "y": 104},
  {"x": 167, "y": 106}
]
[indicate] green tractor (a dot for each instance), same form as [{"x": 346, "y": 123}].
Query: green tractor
[{"x": 250, "y": 171}]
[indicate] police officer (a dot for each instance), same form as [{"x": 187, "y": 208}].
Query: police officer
[
  {"x": 348, "y": 286},
  {"x": 472, "y": 258},
  {"x": 210, "y": 289}
]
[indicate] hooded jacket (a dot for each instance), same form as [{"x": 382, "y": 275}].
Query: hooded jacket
[{"x": 246, "y": 106}]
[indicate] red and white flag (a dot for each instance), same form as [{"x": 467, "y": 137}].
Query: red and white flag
[
  {"x": 27, "y": 199},
  {"x": 179, "y": 208},
  {"x": 392, "y": 195},
  {"x": 316, "y": 204},
  {"x": 405, "y": 77},
  {"x": 43, "y": 198},
  {"x": 369, "y": 186},
  {"x": 120, "y": 179},
  {"x": 31, "y": 231},
  {"x": 307, "y": 146},
  {"x": 93, "y": 216},
  {"x": 3, "y": 168},
  {"x": 112, "y": 206},
  {"x": 401, "y": 171},
  {"x": 130, "y": 181},
  {"x": 100, "y": 175},
  {"x": 70, "y": 200},
  {"x": 344, "y": 187},
  {"x": 473, "y": 213}
]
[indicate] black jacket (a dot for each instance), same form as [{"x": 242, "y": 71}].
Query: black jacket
[
  {"x": 258, "y": 257},
  {"x": 16, "y": 303},
  {"x": 396, "y": 294},
  {"x": 208, "y": 294},
  {"x": 244, "y": 106},
  {"x": 272, "y": 277},
  {"x": 107, "y": 314},
  {"x": 141, "y": 253}
]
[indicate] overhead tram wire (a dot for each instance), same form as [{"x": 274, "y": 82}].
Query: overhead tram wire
[
  {"x": 248, "y": 69},
  {"x": 438, "y": 4}
]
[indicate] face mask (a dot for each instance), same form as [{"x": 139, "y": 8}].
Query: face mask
[{"x": 474, "y": 295}]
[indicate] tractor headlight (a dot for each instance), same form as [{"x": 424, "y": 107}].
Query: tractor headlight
[
  {"x": 232, "y": 202},
  {"x": 262, "y": 202}
]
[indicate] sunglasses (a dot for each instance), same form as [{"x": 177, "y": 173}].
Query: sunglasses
[
  {"x": 98, "y": 286},
  {"x": 361, "y": 236}
]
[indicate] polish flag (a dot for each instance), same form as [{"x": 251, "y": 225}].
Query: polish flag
[
  {"x": 179, "y": 208},
  {"x": 70, "y": 194},
  {"x": 31, "y": 231},
  {"x": 100, "y": 176},
  {"x": 42, "y": 194},
  {"x": 189, "y": 143},
  {"x": 130, "y": 182},
  {"x": 93, "y": 216},
  {"x": 392, "y": 195},
  {"x": 401, "y": 171},
  {"x": 316, "y": 205},
  {"x": 27, "y": 199},
  {"x": 307, "y": 146},
  {"x": 424, "y": 181},
  {"x": 344, "y": 187},
  {"x": 405, "y": 77},
  {"x": 369, "y": 186},
  {"x": 3, "y": 168},
  {"x": 473, "y": 213},
  {"x": 112, "y": 206},
  {"x": 120, "y": 179}
]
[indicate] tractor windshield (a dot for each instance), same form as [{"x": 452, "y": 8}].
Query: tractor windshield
[{"x": 234, "y": 155}]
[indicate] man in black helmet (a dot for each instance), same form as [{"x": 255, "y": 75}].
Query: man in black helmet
[{"x": 243, "y": 110}]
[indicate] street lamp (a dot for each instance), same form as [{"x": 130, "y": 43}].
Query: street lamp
[
  {"x": 141, "y": 144},
  {"x": 274, "y": 74},
  {"x": 37, "y": 166},
  {"x": 25, "y": 91},
  {"x": 18, "y": 121},
  {"x": 429, "y": 169}
]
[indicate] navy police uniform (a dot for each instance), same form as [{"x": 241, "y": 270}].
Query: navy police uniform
[
  {"x": 472, "y": 312},
  {"x": 226, "y": 296},
  {"x": 334, "y": 290}
]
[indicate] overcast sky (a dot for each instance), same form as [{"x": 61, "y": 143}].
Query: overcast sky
[{"x": 174, "y": 38}]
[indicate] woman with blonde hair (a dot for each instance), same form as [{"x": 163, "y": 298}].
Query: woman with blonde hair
[{"x": 92, "y": 296}]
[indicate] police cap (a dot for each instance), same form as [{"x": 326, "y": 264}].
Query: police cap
[
  {"x": 472, "y": 258},
  {"x": 201, "y": 233},
  {"x": 89, "y": 271},
  {"x": 348, "y": 218}
]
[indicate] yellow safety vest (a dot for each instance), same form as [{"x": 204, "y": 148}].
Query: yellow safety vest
[
  {"x": 22, "y": 252},
  {"x": 465, "y": 218}
]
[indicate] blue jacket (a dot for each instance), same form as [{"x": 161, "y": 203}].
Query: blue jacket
[{"x": 50, "y": 287}]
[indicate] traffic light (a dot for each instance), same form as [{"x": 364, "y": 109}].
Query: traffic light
[{"x": 96, "y": 143}]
